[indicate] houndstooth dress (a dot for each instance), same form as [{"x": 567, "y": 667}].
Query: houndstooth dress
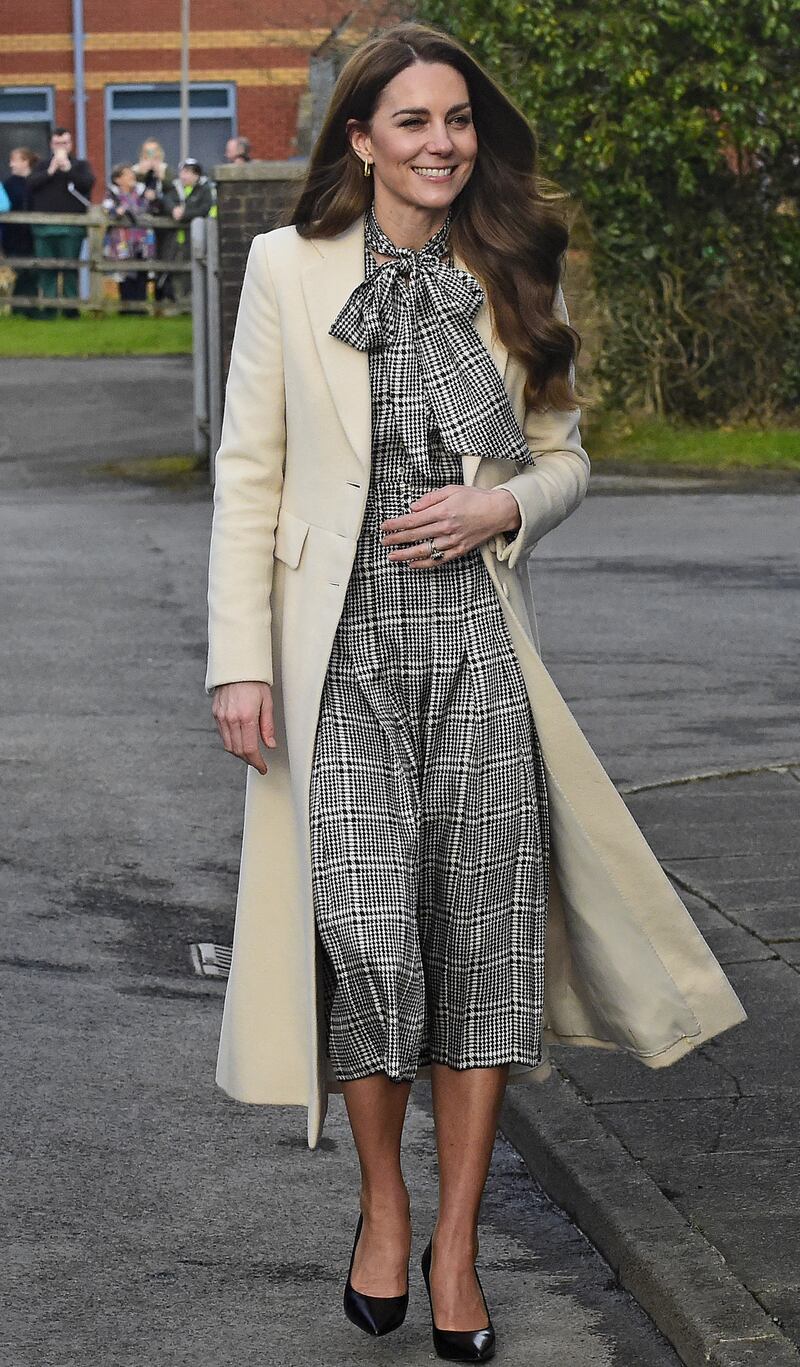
[{"x": 428, "y": 805}]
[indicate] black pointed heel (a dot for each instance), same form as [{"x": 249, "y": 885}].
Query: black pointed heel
[
  {"x": 376, "y": 1315},
  {"x": 459, "y": 1345}
]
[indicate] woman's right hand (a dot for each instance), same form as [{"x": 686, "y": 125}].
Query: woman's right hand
[{"x": 243, "y": 713}]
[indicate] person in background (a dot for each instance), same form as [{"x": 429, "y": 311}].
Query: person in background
[
  {"x": 238, "y": 151},
  {"x": 60, "y": 185},
  {"x": 124, "y": 203},
  {"x": 190, "y": 196},
  {"x": 153, "y": 171},
  {"x": 17, "y": 239}
]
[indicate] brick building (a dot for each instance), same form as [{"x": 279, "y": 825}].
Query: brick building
[{"x": 249, "y": 73}]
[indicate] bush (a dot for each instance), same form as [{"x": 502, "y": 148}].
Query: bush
[{"x": 676, "y": 126}]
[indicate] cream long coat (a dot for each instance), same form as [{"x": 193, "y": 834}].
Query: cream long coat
[{"x": 625, "y": 966}]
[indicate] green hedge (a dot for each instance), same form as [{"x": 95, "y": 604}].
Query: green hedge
[{"x": 676, "y": 126}]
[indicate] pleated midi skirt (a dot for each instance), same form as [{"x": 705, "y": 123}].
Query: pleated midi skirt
[{"x": 428, "y": 804}]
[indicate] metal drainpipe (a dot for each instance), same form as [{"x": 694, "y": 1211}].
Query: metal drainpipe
[
  {"x": 78, "y": 48},
  {"x": 185, "y": 28}
]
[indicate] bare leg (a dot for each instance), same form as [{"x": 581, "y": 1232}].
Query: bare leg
[
  {"x": 376, "y": 1107},
  {"x": 466, "y": 1106}
]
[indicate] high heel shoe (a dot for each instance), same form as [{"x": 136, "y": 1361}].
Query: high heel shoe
[
  {"x": 459, "y": 1345},
  {"x": 374, "y": 1314}
]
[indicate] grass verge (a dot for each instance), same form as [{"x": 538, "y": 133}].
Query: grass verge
[
  {"x": 100, "y": 335},
  {"x": 648, "y": 446},
  {"x": 172, "y": 471}
]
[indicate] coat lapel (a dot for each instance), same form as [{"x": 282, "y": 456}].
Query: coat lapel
[{"x": 327, "y": 285}]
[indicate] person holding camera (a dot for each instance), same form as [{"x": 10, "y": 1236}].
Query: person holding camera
[
  {"x": 154, "y": 173},
  {"x": 60, "y": 185}
]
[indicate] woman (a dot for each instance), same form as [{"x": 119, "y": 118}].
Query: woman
[
  {"x": 397, "y": 439},
  {"x": 17, "y": 239},
  {"x": 124, "y": 203},
  {"x": 156, "y": 176},
  {"x": 153, "y": 172}
]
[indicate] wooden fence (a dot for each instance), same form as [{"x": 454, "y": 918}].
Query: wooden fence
[{"x": 96, "y": 223}]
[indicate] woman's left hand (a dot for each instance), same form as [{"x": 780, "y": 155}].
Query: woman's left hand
[{"x": 456, "y": 518}]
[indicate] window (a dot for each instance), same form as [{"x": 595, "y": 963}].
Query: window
[
  {"x": 26, "y": 118},
  {"x": 137, "y": 112}
]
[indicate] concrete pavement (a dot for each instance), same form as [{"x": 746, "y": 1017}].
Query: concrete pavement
[{"x": 719, "y": 1132}]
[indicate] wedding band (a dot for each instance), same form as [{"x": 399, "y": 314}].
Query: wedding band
[{"x": 436, "y": 554}]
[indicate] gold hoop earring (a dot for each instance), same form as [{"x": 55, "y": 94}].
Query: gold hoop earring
[{"x": 367, "y": 168}]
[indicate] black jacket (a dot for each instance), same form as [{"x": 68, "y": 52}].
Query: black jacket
[
  {"x": 51, "y": 194},
  {"x": 16, "y": 237},
  {"x": 196, "y": 205},
  {"x": 151, "y": 181}
]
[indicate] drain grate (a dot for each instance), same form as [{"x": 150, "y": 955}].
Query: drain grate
[{"x": 211, "y": 961}]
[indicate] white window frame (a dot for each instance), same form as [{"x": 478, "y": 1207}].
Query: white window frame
[
  {"x": 145, "y": 111},
  {"x": 30, "y": 115}
]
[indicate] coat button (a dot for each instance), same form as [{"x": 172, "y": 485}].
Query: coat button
[{"x": 504, "y": 587}]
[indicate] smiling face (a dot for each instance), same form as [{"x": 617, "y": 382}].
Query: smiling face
[{"x": 421, "y": 142}]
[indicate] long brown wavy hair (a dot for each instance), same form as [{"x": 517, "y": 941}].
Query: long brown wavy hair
[{"x": 511, "y": 235}]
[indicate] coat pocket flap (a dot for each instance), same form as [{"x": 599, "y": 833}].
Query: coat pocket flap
[{"x": 290, "y": 535}]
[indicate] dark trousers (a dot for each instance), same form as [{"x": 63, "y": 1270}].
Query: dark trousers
[
  {"x": 26, "y": 284},
  {"x": 177, "y": 287},
  {"x": 164, "y": 291},
  {"x": 133, "y": 287},
  {"x": 63, "y": 243}
]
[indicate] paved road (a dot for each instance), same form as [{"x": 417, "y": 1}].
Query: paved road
[
  {"x": 671, "y": 623},
  {"x": 149, "y": 1215},
  {"x": 60, "y": 416}
]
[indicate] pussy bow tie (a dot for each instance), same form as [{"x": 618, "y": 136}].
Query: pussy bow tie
[{"x": 419, "y": 309}]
